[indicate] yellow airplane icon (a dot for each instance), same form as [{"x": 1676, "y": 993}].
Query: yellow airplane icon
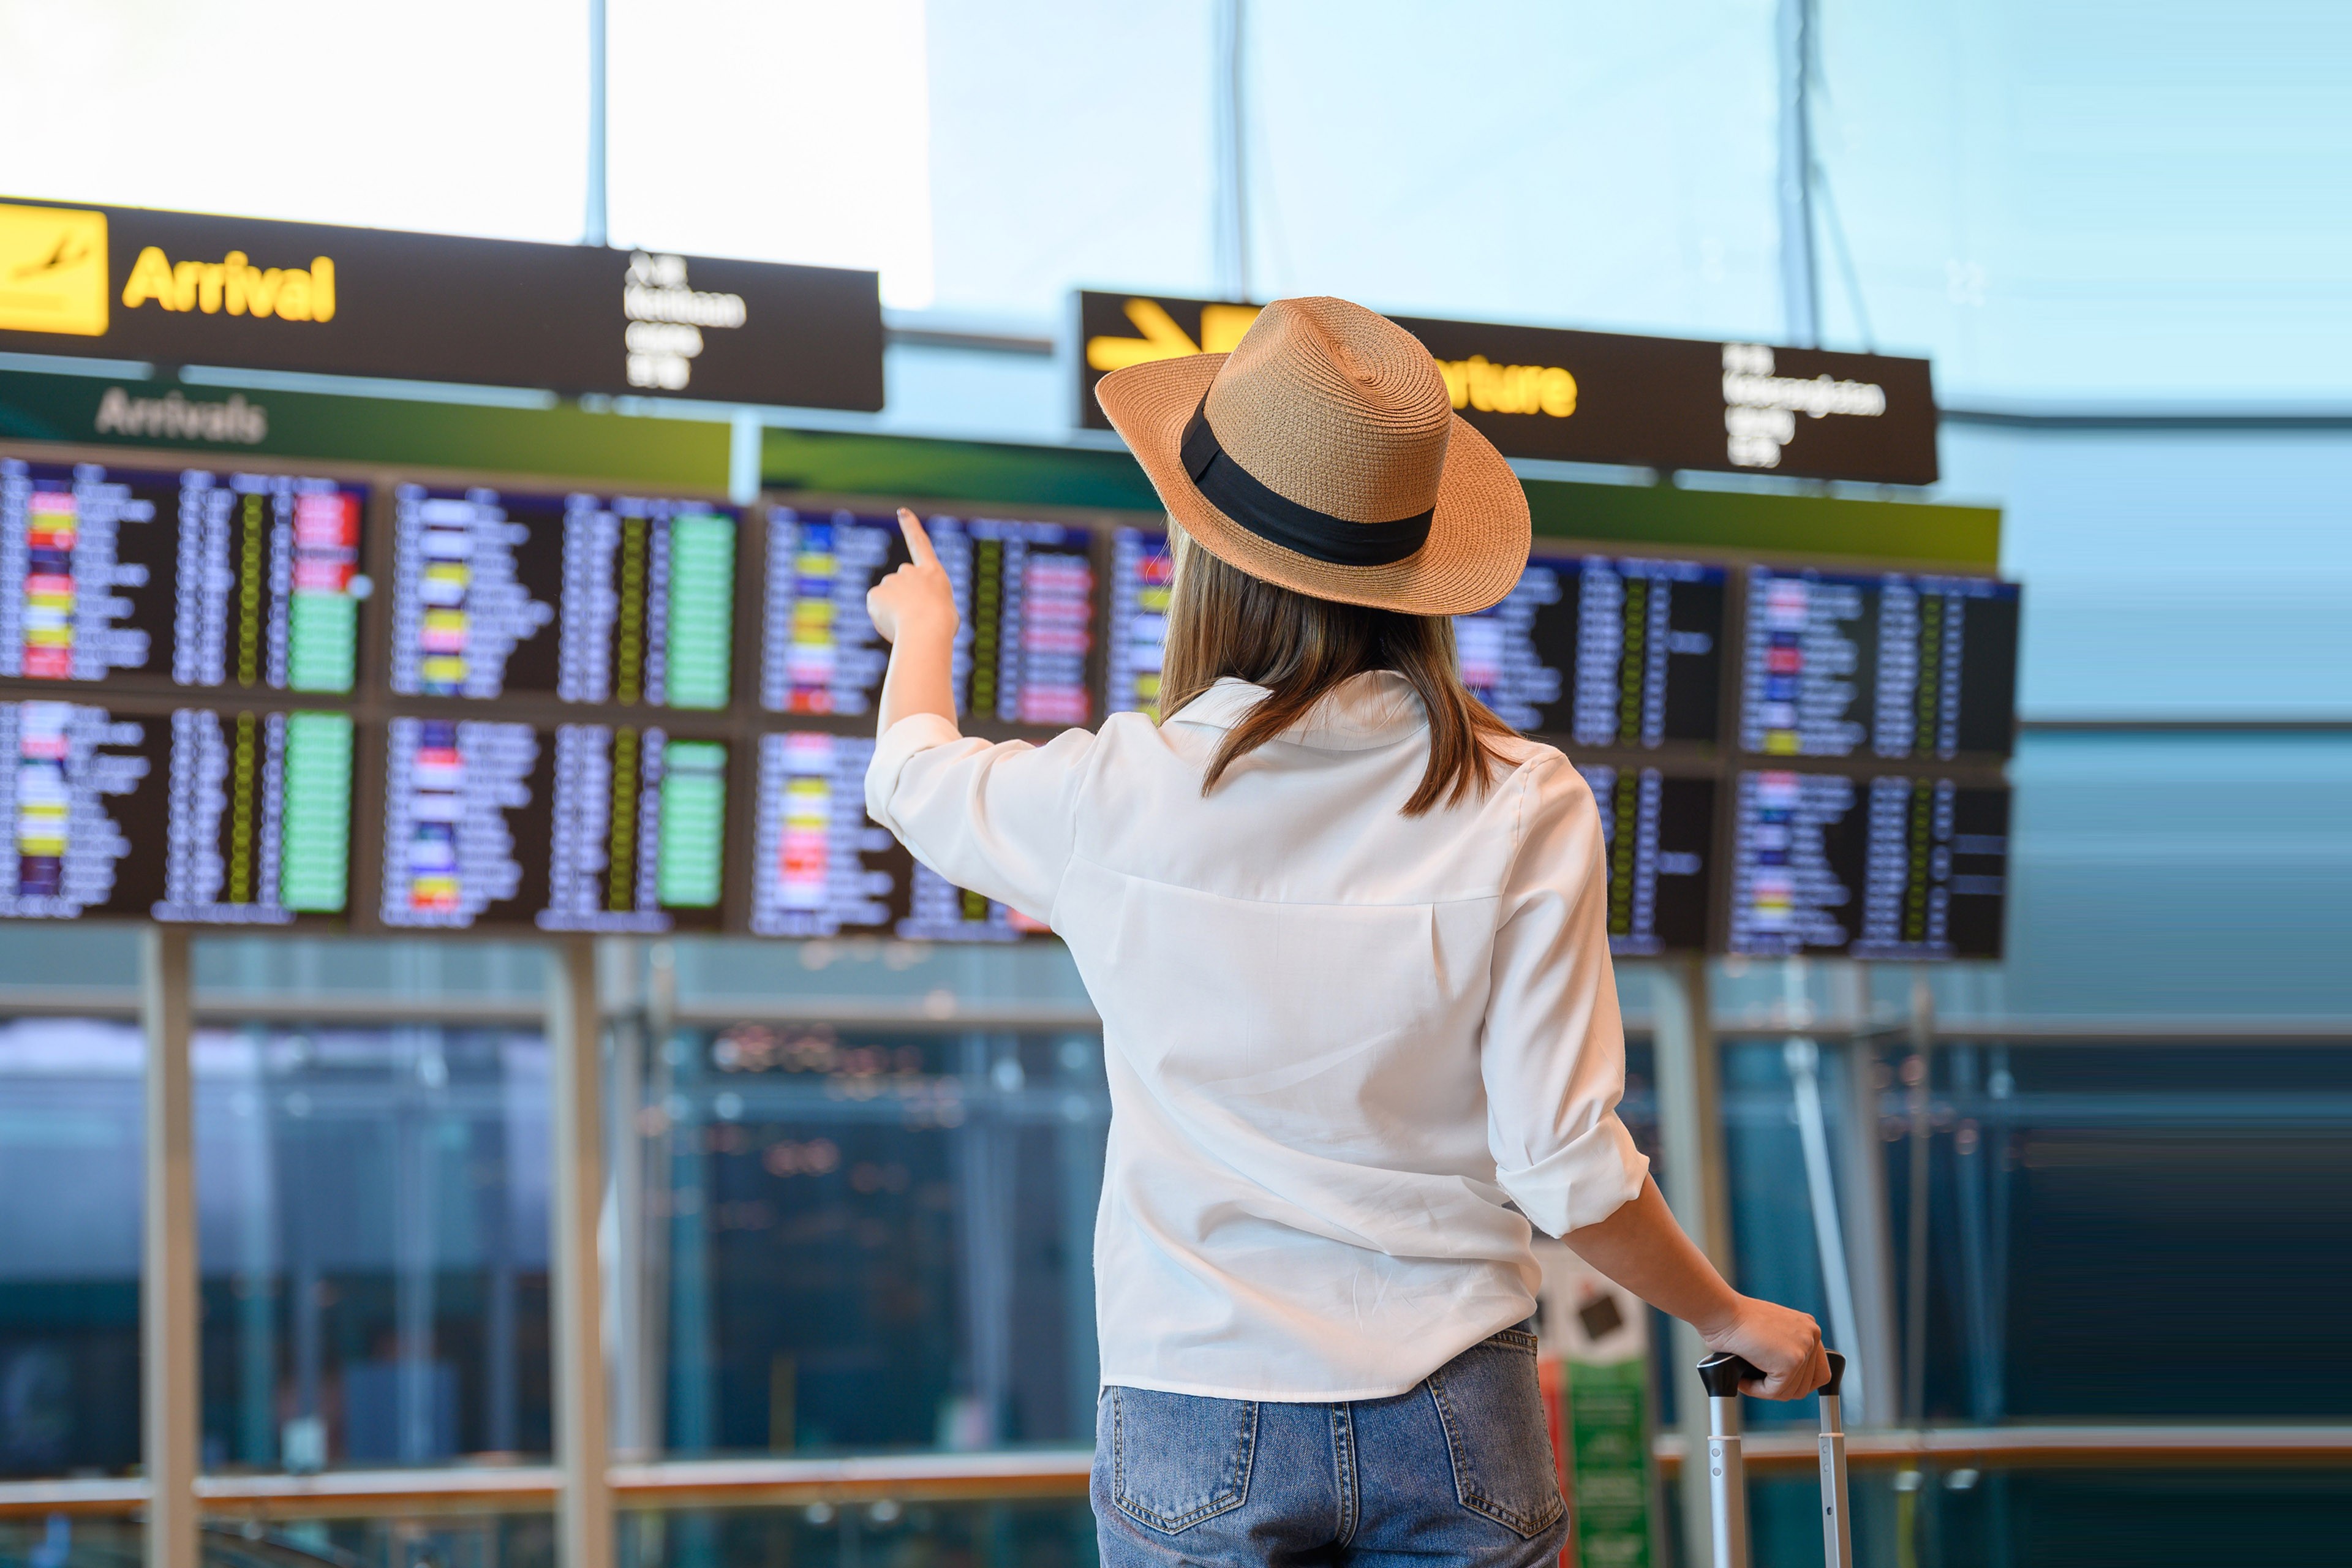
[
  {"x": 1222, "y": 327},
  {"x": 52, "y": 270}
]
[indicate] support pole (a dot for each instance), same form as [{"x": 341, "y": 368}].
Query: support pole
[
  {"x": 1918, "y": 1074},
  {"x": 1870, "y": 1259},
  {"x": 592, "y": 229},
  {"x": 172, "y": 1434},
  {"x": 745, "y": 435},
  {"x": 1800, "y": 290},
  {"x": 1690, "y": 1140},
  {"x": 635, "y": 1433},
  {"x": 1232, "y": 227},
  {"x": 583, "y": 1521}
]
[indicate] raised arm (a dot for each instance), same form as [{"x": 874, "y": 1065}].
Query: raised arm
[{"x": 914, "y": 609}]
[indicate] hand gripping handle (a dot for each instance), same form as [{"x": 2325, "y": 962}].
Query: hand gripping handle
[{"x": 1722, "y": 1373}]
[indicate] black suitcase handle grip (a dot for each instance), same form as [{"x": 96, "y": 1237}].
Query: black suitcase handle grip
[{"x": 1722, "y": 1372}]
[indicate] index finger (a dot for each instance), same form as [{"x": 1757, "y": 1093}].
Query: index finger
[{"x": 918, "y": 542}]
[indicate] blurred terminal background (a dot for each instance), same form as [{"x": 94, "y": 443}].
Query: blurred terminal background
[{"x": 2095, "y": 1217}]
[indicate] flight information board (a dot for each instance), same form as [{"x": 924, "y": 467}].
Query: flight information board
[
  {"x": 1602, "y": 650},
  {"x": 1024, "y": 591},
  {"x": 824, "y": 869},
  {"x": 1841, "y": 664},
  {"x": 622, "y": 601},
  {"x": 197, "y": 815},
  {"x": 819, "y": 653},
  {"x": 939, "y": 910},
  {"x": 193, "y": 578},
  {"x": 576, "y": 827},
  {"x": 1030, "y": 625},
  {"x": 1659, "y": 830},
  {"x": 1135, "y": 635},
  {"x": 1891, "y": 866},
  {"x": 555, "y": 724}
]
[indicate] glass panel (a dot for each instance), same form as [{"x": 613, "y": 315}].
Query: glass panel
[
  {"x": 1040, "y": 1533},
  {"x": 70, "y": 1140},
  {"x": 478, "y": 1541},
  {"x": 372, "y": 1217},
  {"x": 863, "y": 1240},
  {"x": 938, "y": 979},
  {"x": 2101, "y": 1218},
  {"x": 2197, "y": 1183},
  {"x": 1954, "y": 1517}
]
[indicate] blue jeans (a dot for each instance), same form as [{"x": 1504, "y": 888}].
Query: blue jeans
[{"x": 1457, "y": 1471}]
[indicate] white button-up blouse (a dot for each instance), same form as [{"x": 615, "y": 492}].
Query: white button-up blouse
[{"x": 1353, "y": 1056}]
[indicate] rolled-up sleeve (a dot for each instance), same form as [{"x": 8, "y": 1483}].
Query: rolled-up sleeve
[
  {"x": 998, "y": 819},
  {"x": 1554, "y": 1052}
]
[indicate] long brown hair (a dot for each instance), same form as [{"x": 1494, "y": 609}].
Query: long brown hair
[{"x": 1223, "y": 622}]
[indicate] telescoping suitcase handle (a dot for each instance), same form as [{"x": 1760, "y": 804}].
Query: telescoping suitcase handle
[{"x": 1726, "y": 1475}]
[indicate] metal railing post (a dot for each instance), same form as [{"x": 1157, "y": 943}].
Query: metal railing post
[
  {"x": 1690, "y": 1143},
  {"x": 582, "y": 1436},
  {"x": 172, "y": 1432}
]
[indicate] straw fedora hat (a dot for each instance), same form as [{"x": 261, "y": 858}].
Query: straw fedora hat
[{"x": 1324, "y": 456}]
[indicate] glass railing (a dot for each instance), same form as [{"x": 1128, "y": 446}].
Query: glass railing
[{"x": 848, "y": 1231}]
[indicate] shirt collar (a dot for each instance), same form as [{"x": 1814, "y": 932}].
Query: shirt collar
[{"x": 1365, "y": 710}]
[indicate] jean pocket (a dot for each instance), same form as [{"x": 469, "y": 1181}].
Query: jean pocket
[
  {"x": 1178, "y": 1458},
  {"x": 1492, "y": 1407}
]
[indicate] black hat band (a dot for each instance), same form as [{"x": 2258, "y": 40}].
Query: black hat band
[{"x": 1276, "y": 519}]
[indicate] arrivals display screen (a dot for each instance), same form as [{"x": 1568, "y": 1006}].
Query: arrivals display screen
[
  {"x": 1604, "y": 651},
  {"x": 622, "y": 601},
  {"x": 571, "y": 827},
  {"x": 185, "y": 814},
  {"x": 822, "y": 867},
  {"x": 1659, "y": 831},
  {"x": 1024, "y": 592},
  {"x": 1891, "y": 665},
  {"x": 134, "y": 579},
  {"x": 1887, "y": 865}
]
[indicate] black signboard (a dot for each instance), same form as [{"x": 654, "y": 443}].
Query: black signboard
[
  {"x": 1604, "y": 397},
  {"x": 186, "y": 289}
]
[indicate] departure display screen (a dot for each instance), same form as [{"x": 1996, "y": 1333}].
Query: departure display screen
[
  {"x": 618, "y": 601},
  {"x": 1024, "y": 592},
  {"x": 1603, "y": 652},
  {"x": 819, "y": 653},
  {"x": 1135, "y": 638},
  {"x": 1888, "y": 867},
  {"x": 1840, "y": 665},
  {"x": 939, "y": 910},
  {"x": 545, "y": 725},
  {"x": 1658, "y": 829},
  {"x": 207, "y": 816},
  {"x": 1023, "y": 648},
  {"x": 193, "y": 578},
  {"x": 574, "y": 827},
  {"x": 822, "y": 867}
]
